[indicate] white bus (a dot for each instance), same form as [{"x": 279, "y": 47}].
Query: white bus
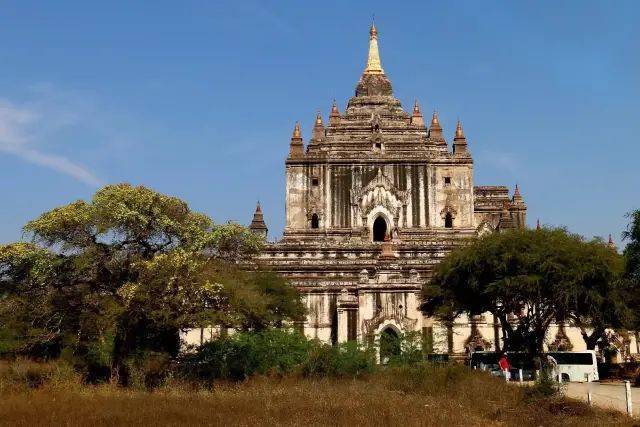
[{"x": 576, "y": 366}]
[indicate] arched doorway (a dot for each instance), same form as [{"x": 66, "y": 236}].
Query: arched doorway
[
  {"x": 389, "y": 344},
  {"x": 379, "y": 229},
  {"x": 448, "y": 221}
]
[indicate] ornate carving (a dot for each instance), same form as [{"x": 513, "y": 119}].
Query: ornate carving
[
  {"x": 561, "y": 341},
  {"x": 380, "y": 191}
]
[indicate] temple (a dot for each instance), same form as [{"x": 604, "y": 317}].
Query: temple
[{"x": 374, "y": 200}]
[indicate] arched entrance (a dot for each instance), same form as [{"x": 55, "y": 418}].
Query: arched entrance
[
  {"x": 315, "y": 221},
  {"x": 448, "y": 221},
  {"x": 389, "y": 344},
  {"x": 379, "y": 229}
]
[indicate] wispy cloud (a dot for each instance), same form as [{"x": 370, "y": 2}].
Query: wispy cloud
[{"x": 21, "y": 133}]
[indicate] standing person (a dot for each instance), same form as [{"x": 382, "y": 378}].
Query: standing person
[
  {"x": 552, "y": 365},
  {"x": 505, "y": 366}
]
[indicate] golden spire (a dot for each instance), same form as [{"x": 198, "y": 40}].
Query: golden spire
[
  {"x": 373, "y": 61},
  {"x": 459, "y": 132},
  {"x": 296, "y": 132}
]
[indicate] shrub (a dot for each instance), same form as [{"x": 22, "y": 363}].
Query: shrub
[
  {"x": 545, "y": 386},
  {"x": 410, "y": 346},
  {"x": 147, "y": 370},
  {"x": 236, "y": 357},
  {"x": 27, "y": 374},
  {"x": 343, "y": 360}
]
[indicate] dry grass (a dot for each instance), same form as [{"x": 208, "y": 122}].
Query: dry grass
[{"x": 432, "y": 396}]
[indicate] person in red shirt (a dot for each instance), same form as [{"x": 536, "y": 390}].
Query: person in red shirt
[{"x": 505, "y": 366}]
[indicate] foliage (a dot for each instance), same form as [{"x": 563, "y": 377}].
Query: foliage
[
  {"x": 534, "y": 276},
  {"x": 631, "y": 283},
  {"x": 410, "y": 346},
  {"x": 348, "y": 359},
  {"x": 121, "y": 275},
  {"x": 238, "y": 356},
  {"x": 544, "y": 386}
]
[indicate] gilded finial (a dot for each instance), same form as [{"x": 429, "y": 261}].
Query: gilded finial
[
  {"x": 296, "y": 131},
  {"x": 374, "y": 66}
]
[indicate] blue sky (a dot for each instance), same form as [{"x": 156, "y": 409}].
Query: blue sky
[{"x": 198, "y": 99}]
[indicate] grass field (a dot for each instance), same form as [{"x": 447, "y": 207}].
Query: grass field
[{"x": 440, "y": 396}]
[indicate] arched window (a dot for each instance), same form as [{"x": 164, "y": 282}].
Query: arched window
[
  {"x": 315, "y": 221},
  {"x": 389, "y": 345},
  {"x": 448, "y": 221},
  {"x": 379, "y": 229}
]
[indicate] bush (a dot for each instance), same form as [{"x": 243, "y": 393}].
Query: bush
[
  {"x": 343, "y": 360},
  {"x": 148, "y": 370},
  {"x": 410, "y": 346},
  {"x": 236, "y": 357},
  {"x": 27, "y": 374},
  {"x": 545, "y": 386}
]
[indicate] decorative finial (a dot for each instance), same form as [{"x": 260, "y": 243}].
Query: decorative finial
[
  {"x": 611, "y": 244},
  {"x": 435, "y": 123},
  {"x": 318, "y": 119},
  {"x": 334, "y": 109},
  {"x": 538, "y": 224},
  {"x": 416, "y": 117},
  {"x": 258, "y": 226},
  {"x": 517, "y": 197},
  {"x": 296, "y": 131},
  {"x": 459, "y": 132},
  {"x": 374, "y": 66}
]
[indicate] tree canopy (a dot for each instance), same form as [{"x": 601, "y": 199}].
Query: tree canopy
[
  {"x": 528, "y": 279},
  {"x": 125, "y": 272}
]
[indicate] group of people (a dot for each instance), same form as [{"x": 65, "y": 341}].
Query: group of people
[{"x": 550, "y": 364}]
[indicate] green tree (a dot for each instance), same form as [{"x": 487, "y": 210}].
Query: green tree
[
  {"x": 632, "y": 269},
  {"x": 533, "y": 277},
  {"x": 125, "y": 272}
]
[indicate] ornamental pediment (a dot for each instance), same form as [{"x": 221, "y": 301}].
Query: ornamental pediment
[{"x": 380, "y": 181}]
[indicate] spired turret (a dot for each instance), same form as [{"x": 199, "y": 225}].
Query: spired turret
[
  {"x": 518, "y": 208},
  {"x": 416, "y": 116},
  {"x": 435, "y": 131},
  {"x": 460, "y": 142},
  {"x": 258, "y": 226},
  {"x": 318, "y": 129},
  {"x": 296, "y": 147}
]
